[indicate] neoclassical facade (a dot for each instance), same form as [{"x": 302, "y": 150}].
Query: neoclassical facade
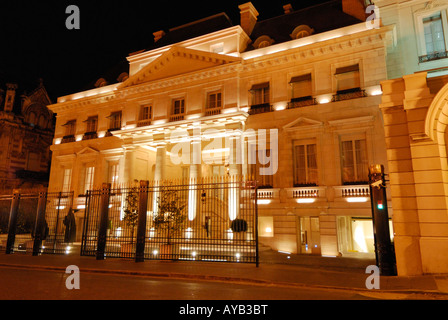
[{"x": 302, "y": 89}]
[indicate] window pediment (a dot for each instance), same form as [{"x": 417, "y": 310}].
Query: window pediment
[{"x": 302, "y": 123}]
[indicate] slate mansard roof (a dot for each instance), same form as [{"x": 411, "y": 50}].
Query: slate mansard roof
[{"x": 321, "y": 18}]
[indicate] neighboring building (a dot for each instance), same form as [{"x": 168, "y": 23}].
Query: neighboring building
[
  {"x": 422, "y": 36},
  {"x": 414, "y": 107},
  {"x": 313, "y": 74},
  {"x": 26, "y": 134}
]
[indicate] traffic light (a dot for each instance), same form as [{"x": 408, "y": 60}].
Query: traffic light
[{"x": 380, "y": 218}]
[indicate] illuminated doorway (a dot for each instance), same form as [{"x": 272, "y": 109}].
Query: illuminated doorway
[{"x": 309, "y": 240}]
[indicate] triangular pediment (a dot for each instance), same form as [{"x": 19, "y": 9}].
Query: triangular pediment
[
  {"x": 302, "y": 123},
  {"x": 87, "y": 151},
  {"x": 177, "y": 61}
]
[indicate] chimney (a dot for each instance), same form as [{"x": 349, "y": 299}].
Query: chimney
[
  {"x": 288, "y": 8},
  {"x": 158, "y": 35},
  {"x": 355, "y": 8},
  {"x": 10, "y": 96},
  {"x": 248, "y": 17}
]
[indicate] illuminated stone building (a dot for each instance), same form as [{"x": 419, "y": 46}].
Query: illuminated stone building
[
  {"x": 311, "y": 75},
  {"x": 26, "y": 134}
]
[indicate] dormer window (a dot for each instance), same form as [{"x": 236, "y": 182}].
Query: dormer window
[
  {"x": 123, "y": 77},
  {"x": 301, "y": 31},
  {"x": 263, "y": 42},
  {"x": 101, "y": 83}
]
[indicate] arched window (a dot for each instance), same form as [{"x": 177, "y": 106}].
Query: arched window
[
  {"x": 32, "y": 118},
  {"x": 301, "y": 31},
  {"x": 42, "y": 121}
]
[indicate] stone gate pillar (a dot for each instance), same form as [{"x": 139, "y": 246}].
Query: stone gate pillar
[{"x": 416, "y": 169}]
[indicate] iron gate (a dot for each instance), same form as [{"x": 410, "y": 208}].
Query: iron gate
[{"x": 213, "y": 219}]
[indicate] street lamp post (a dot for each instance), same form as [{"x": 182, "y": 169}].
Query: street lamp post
[{"x": 385, "y": 257}]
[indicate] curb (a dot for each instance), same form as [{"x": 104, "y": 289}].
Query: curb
[{"x": 236, "y": 280}]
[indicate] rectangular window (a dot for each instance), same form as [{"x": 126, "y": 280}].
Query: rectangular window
[
  {"x": 70, "y": 128},
  {"x": 145, "y": 113},
  {"x": 115, "y": 121},
  {"x": 260, "y": 93},
  {"x": 434, "y": 34},
  {"x": 145, "y": 116},
  {"x": 66, "y": 180},
  {"x": 354, "y": 162},
  {"x": 305, "y": 165},
  {"x": 178, "y": 106},
  {"x": 348, "y": 78},
  {"x": 214, "y": 100},
  {"x": 301, "y": 86},
  {"x": 88, "y": 178},
  {"x": 92, "y": 124}
]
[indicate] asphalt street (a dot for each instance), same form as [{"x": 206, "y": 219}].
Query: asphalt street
[{"x": 31, "y": 284}]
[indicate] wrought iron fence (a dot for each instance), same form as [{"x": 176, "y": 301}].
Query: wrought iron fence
[
  {"x": 18, "y": 216},
  {"x": 59, "y": 224},
  {"x": 210, "y": 219},
  {"x": 5, "y": 207}
]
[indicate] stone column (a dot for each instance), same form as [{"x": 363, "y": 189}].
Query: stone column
[
  {"x": 159, "y": 173},
  {"x": 235, "y": 176},
  {"x": 128, "y": 172},
  {"x": 195, "y": 175}
]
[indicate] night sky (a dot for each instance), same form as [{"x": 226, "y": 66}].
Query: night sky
[{"x": 35, "y": 42}]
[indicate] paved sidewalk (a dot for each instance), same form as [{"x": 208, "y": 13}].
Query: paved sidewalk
[{"x": 275, "y": 270}]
